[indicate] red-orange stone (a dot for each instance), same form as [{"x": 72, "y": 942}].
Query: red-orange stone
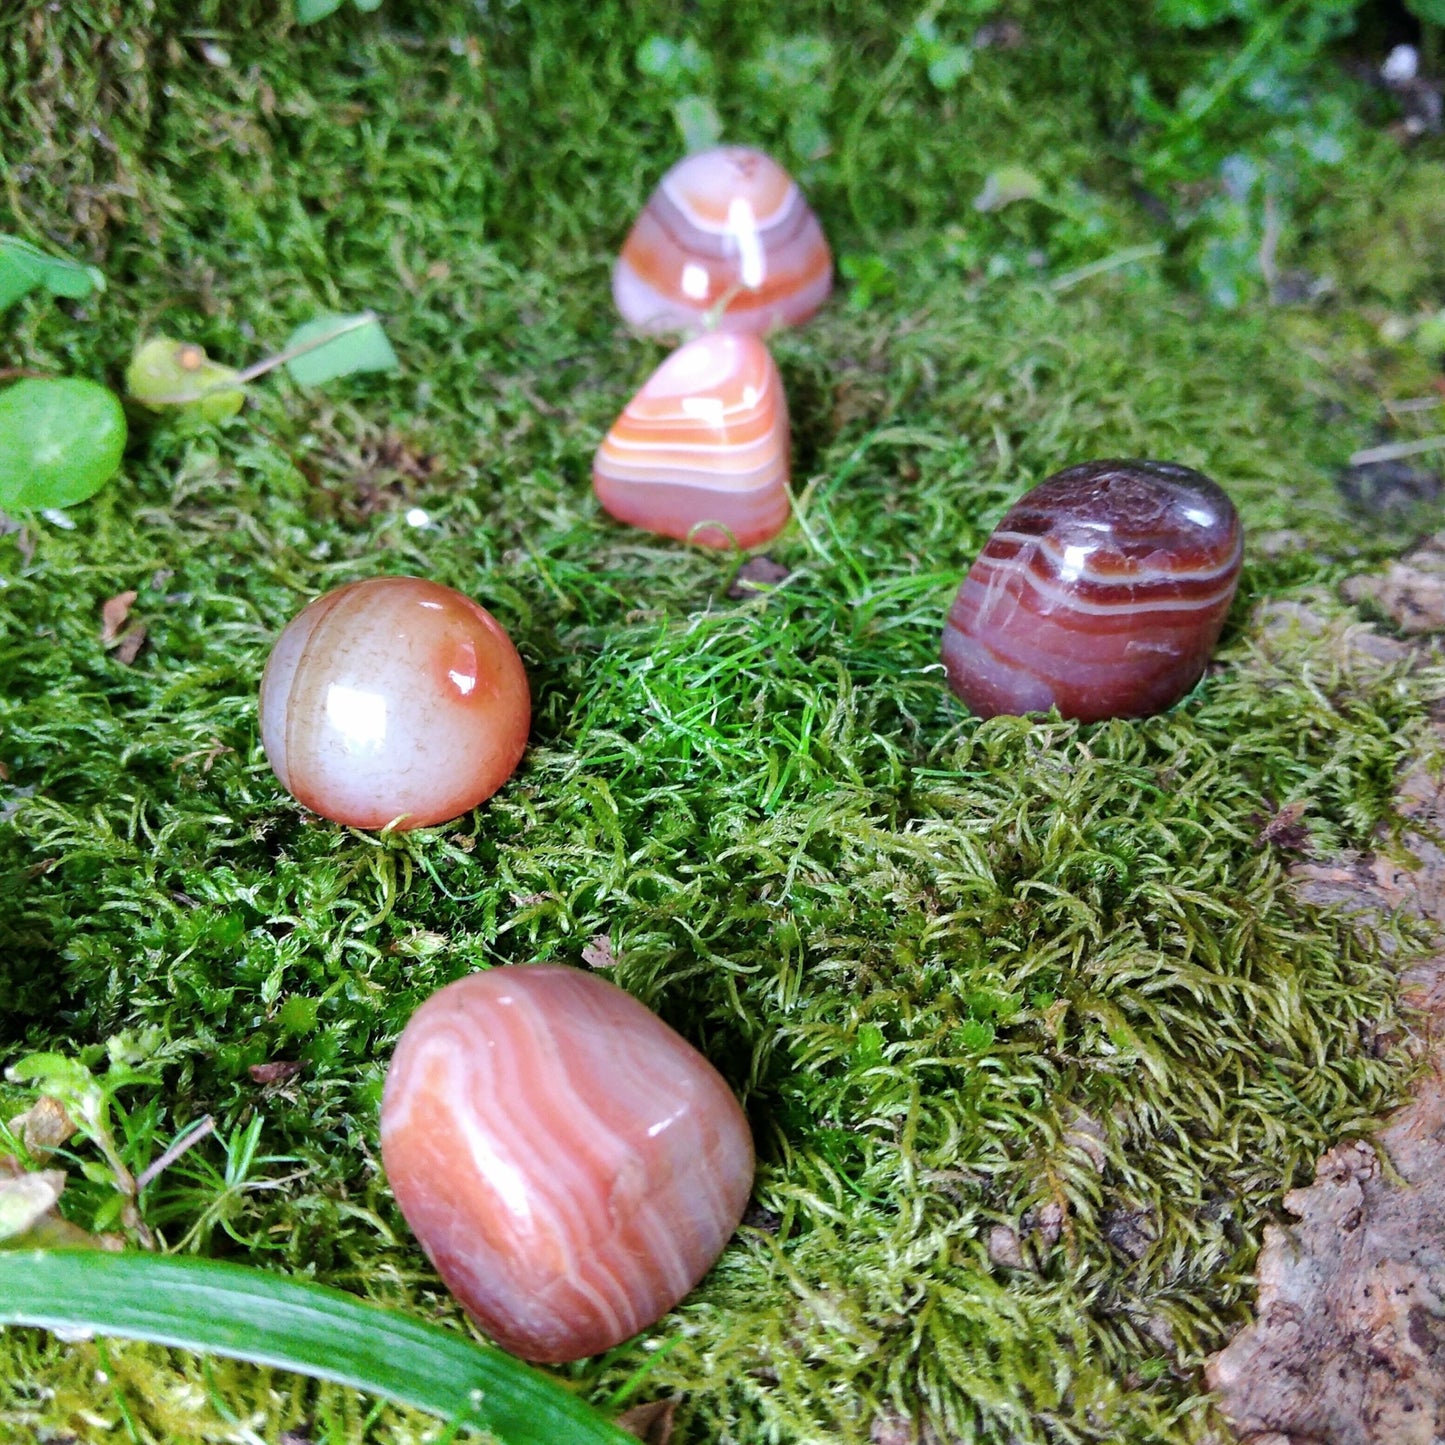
[
  {"x": 701, "y": 452},
  {"x": 1101, "y": 593},
  {"x": 571, "y": 1166},
  {"x": 394, "y": 700},
  {"x": 726, "y": 228}
]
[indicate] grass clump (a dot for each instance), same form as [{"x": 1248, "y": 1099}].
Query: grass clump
[{"x": 1030, "y": 1030}]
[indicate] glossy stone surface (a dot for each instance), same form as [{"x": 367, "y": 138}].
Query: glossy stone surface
[
  {"x": 1102, "y": 593},
  {"x": 705, "y": 440},
  {"x": 571, "y": 1166},
  {"x": 394, "y": 698},
  {"x": 724, "y": 223}
]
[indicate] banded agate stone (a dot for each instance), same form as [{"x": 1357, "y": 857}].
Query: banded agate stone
[
  {"x": 704, "y": 442},
  {"x": 1102, "y": 593},
  {"x": 394, "y": 700},
  {"x": 570, "y": 1165},
  {"x": 724, "y": 226}
]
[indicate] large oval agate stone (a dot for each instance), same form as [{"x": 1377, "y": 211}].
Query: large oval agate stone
[
  {"x": 394, "y": 700},
  {"x": 701, "y": 452},
  {"x": 1101, "y": 593},
  {"x": 571, "y": 1166},
  {"x": 728, "y": 226}
]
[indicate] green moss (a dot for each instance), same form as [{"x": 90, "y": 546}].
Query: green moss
[
  {"x": 966, "y": 976},
  {"x": 1391, "y": 245}
]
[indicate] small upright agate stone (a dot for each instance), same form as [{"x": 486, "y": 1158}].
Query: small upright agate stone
[
  {"x": 724, "y": 226},
  {"x": 1101, "y": 593},
  {"x": 394, "y": 700},
  {"x": 570, "y": 1165},
  {"x": 701, "y": 452}
]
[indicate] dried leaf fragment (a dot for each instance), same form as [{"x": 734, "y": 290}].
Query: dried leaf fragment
[
  {"x": 756, "y": 577},
  {"x": 129, "y": 645},
  {"x": 25, "y": 1199},
  {"x": 1285, "y": 830},
  {"x": 113, "y": 614},
  {"x": 651, "y": 1423},
  {"x": 598, "y": 952},
  {"x": 1005, "y": 1248},
  {"x": 276, "y": 1072},
  {"x": 1087, "y": 1136},
  {"x": 44, "y": 1126}
]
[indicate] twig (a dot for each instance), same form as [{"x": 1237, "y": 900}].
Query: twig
[
  {"x": 1414, "y": 403},
  {"x": 1269, "y": 245},
  {"x": 205, "y": 1126},
  {"x": 267, "y": 363},
  {"x": 1394, "y": 451},
  {"x": 1263, "y": 37},
  {"x": 1108, "y": 263}
]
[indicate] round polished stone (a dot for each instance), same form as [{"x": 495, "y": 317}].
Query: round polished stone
[
  {"x": 394, "y": 701},
  {"x": 1102, "y": 593}
]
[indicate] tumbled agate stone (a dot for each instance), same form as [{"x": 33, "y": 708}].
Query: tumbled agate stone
[
  {"x": 704, "y": 441},
  {"x": 1102, "y": 593},
  {"x": 394, "y": 699},
  {"x": 725, "y": 225},
  {"x": 571, "y": 1166}
]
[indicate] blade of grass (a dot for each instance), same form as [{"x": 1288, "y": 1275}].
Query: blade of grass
[{"x": 247, "y": 1314}]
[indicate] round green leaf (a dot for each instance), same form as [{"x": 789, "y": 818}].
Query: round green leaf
[
  {"x": 60, "y": 441},
  {"x": 163, "y": 369}
]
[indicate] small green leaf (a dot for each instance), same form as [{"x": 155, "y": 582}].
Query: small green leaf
[
  {"x": 298, "y": 1014},
  {"x": 801, "y": 58},
  {"x": 367, "y": 5},
  {"x": 949, "y": 66},
  {"x": 248, "y": 1314},
  {"x": 976, "y": 1035},
  {"x": 677, "y": 64},
  {"x": 1432, "y": 11},
  {"x": 870, "y": 1044},
  {"x": 24, "y": 267},
  {"x": 309, "y": 10},
  {"x": 1430, "y": 335},
  {"x": 923, "y": 38},
  {"x": 53, "y": 1074},
  {"x": 871, "y": 276},
  {"x": 808, "y": 137},
  {"x": 165, "y": 372},
  {"x": 333, "y": 346},
  {"x": 657, "y": 56},
  {"x": 1005, "y": 186},
  {"x": 698, "y": 123},
  {"x": 61, "y": 441}
]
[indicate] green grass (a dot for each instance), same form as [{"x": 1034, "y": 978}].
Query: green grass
[{"x": 920, "y": 947}]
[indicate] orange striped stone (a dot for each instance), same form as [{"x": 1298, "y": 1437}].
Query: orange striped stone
[
  {"x": 571, "y": 1166},
  {"x": 394, "y": 700},
  {"x": 701, "y": 452},
  {"x": 724, "y": 227},
  {"x": 1102, "y": 593}
]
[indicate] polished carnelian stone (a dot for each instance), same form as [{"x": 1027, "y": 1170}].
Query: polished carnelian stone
[
  {"x": 571, "y": 1166},
  {"x": 1101, "y": 593},
  {"x": 394, "y": 700},
  {"x": 726, "y": 233},
  {"x": 701, "y": 452}
]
